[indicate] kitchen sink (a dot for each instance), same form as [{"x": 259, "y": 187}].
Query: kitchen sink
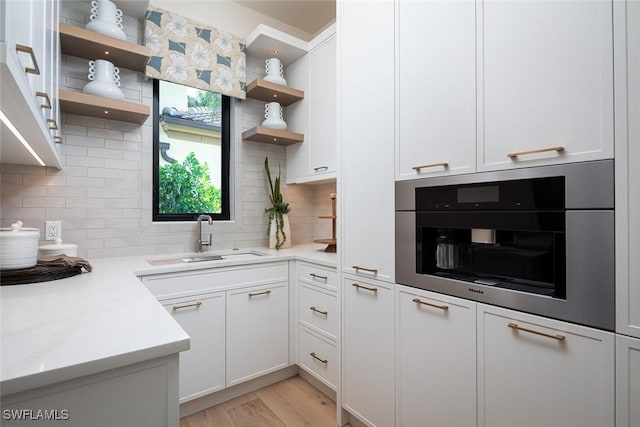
[{"x": 235, "y": 254}]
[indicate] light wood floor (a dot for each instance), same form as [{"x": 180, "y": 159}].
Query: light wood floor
[{"x": 289, "y": 403}]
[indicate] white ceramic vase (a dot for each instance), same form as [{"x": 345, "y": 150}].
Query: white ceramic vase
[
  {"x": 273, "y": 116},
  {"x": 287, "y": 231},
  {"x": 106, "y": 19},
  {"x": 275, "y": 71},
  {"x": 104, "y": 80}
]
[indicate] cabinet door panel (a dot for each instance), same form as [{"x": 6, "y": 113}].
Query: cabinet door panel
[
  {"x": 202, "y": 366},
  {"x": 257, "y": 331},
  {"x": 627, "y": 171},
  {"x": 627, "y": 381},
  {"x": 322, "y": 109},
  {"x": 368, "y": 351},
  {"x": 436, "y": 109},
  {"x": 367, "y": 137},
  {"x": 546, "y": 80},
  {"x": 531, "y": 380},
  {"x": 436, "y": 364}
]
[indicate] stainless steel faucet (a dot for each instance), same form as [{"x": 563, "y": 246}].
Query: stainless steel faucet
[{"x": 199, "y": 242}]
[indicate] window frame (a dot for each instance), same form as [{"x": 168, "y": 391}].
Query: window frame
[{"x": 225, "y": 189}]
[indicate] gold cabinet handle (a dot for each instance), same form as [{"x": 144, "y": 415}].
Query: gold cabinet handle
[
  {"x": 319, "y": 168},
  {"x": 430, "y": 165},
  {"x": 315, "y": 276},
  {"x": 357, "y": 268},
  {"x": 195, "y": 304},
  {"x": 29, "y": 50},
  {"x": 315, "y": 310},
  {"x": 57, "y": 139},
  {"x": 313, "y": 354},
  {"x": 512, "y": 156},
  {"x": 53, "y": 125},
  {"x": 374, "y": 290},
  {"x": 47, "y": 103},
  {"x": 441, "y": 307},
  {"x": 531, "y": 331},
  {"x": 255, "y": 294}
]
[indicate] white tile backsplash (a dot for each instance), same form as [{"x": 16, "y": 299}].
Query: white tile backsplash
[{"x": 103, "y": 193}]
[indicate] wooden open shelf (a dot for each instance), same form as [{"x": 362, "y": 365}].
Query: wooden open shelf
[
  {"x": 105, "y": 108},
  {"x": 273, "y": 92},
  {"x": 83, "y": 43},
  {"x": 272, "y": 136}
]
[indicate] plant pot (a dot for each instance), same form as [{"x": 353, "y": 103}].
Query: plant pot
[{"x": 287, "y": 233}]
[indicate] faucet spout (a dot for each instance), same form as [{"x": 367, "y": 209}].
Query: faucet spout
[{"x": 199, "y": 242}]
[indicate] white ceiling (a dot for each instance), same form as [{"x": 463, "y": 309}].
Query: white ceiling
[{"x": 310, "y": 16}]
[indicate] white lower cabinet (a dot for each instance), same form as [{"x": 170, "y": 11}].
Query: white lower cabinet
[
  {"x": 436, "y": 366},
  {"x": 534, "y": 371},
  {"x": 627, "y": 381},
  {"x": 318, "y": 322},
  {"x": 142, "y": 395},
  {"x": 318, "y": 356},
  {"x": 368, "y": 351},
  {"x": 257, "y": 331},
  {"x": 237, "y": 318},
  {"x": 203, "y": 319}
]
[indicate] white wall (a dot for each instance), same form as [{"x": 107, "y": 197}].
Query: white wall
[
  {"x": 103, "y": 194},
  {"x": 228, "y": 15}
]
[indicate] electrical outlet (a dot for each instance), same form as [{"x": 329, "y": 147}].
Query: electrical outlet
[{"x": 52, "y": 230}]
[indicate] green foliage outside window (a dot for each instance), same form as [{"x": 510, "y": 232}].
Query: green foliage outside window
[{"x": 186, "y": 188}]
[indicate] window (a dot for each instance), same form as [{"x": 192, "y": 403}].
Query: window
[{"x": 191, "y": 133}]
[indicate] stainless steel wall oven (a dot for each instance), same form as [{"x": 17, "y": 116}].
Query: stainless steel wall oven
[{"x": 539, "y": 240}]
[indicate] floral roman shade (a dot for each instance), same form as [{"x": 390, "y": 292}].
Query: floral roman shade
[{"x": 189, "y": 53}]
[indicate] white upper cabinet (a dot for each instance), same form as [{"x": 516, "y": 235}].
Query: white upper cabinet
[
  {"x": 627, "y": 171},
  {"x": 436, "y": 95},
  {"x": 545, "y": 82},
  {"x": 366, "y": 134},
  {"x": 322, "y": 109},
  {"x": 315, "y": 73},
  {"x": 28, "y": 36}
]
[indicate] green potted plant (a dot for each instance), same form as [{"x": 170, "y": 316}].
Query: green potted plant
[{"x": 278, "y": 229}]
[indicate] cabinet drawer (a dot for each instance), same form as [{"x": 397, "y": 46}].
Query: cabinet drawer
[
  {"x": 318, "y": 310},
  {"x": 188, "y": 282},
  {"x": 318, "y": 356},
  {"x": 316, "y": 275}
]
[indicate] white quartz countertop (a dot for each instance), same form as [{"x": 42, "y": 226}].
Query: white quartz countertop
[{"x": 63, "y": 329}]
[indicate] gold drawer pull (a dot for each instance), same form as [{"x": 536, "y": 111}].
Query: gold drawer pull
[
  {"x": 531, "y": 331},
  {"x": 195, "y": 304},
  {"x": 57, "y": 139},
  {"x": 324, "y": 313},
  {"x": 319, "y": 168},
  {"x": 29, "y": 50},
  {"x": 374, "y": 290},
  {"x": 357, "y": 268},
  {"x": 315, "y": 276},
  {"x": 512, "y": 156},
  {"x": 442, "y": 307},
  {"x": 53, "y": 125},
  {"x": 44, "y": 95},
  {"x": 255, "y": 294},
  {"x": 313, "y": 354},
  {"x": 430, "y": 165}
]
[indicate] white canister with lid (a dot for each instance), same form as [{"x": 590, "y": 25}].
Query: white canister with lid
[
  {"x": 59, "y": 248},
  {"x": 18, "y": 247}
]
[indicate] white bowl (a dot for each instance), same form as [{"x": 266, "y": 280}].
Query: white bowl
[
  {"x": 18, "y": 247},
  {"x": 58, "y": 248}
]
